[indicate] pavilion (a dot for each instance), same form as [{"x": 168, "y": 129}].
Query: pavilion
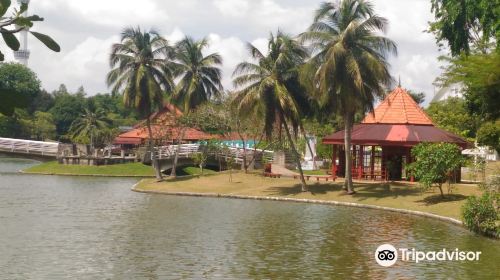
[{"x": 382, "y": 142}]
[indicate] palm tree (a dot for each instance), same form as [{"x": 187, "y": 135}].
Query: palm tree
[
  {"x": 271, "y": 87},
  {"x": 200, "y": 75},
  {"x": 199, "y": 78},
  {"x": 90, "y": 124},
  {"x": 138, "y": 69},
  {"x": 349, "y": 68}
]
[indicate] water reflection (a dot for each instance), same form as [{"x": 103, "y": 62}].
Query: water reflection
[{"x": 55, "y": 227}]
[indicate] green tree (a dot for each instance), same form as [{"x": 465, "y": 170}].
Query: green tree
[
  {"x": 479, "y": 75},
  {"x": 44, "y": 126},
  {"x": 200, "y": 78},
  {"x": 419, "y": 97},
  {"x": 67, "y": 108},
  {"x": 89, "y": 125},
  {"x": 350, "y": 69},
  {"x": 452, "y": 115},
  {"x": 435, "y": 163},
  {"x": 270, "y": 87},
  {"x": 9, "y": 25},
  {"x": 489, "y": 134},
  {"x": 18, "y": 86},
  {"x": 466, "y": 25},
  {"x": 138, "y": 70},
  {"x": 200, "y": 75},
  {"x": 42, "y": 101}
]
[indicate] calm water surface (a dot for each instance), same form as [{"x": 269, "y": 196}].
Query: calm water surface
[{"x": 56, "y": 227}]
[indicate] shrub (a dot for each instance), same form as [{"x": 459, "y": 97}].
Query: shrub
[
  {"x": 480, "y": 214},
  {"x": 435, "y": 164}
]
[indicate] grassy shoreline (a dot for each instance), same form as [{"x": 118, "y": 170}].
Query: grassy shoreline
[
  {"x": 115, "y": 170},
  {"x": 136, "y": 169},
  {"x": 389, "y": 195}
]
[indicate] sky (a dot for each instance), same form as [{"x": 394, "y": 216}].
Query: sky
[{"x": 86, "y": 29}]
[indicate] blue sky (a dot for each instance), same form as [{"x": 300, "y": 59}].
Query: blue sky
[{"x": 86, "y": 29}]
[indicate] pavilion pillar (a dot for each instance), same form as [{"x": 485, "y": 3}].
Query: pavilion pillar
[
  {"x": 383, "y": 165},
  {"x": 334, "y": 162},
  {"x": 372, "y": 163},
  {"x": 408, "y": 161},
  {"x": 360, "y": 162}
]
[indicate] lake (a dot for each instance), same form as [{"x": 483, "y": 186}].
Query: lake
[{"x": 61, "y": 227}]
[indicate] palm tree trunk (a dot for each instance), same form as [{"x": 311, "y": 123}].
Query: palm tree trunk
[
  {"x": 173, "y": 174},
  {"x": 309, "y": 147},
  {"x": 154, "y": 160},
  {"x": 297, "y": 155},
  {"x": 348, "y": 162}
]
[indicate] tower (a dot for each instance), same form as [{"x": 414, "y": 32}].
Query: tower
[{"x": 23, "y": 54}]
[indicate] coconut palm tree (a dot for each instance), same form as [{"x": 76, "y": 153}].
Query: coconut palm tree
[
  {"x": 271, "y": 87},
  {"x": 139, "y": 72},
  {"x": 90, "y": 124},
  {"x": 199, "y": 78},
  {"x": 200, "y": 75},
  {"x": 349, "y": 66}
]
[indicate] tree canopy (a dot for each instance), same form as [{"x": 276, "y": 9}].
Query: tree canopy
[
  {"x": 466, "y": 25},
  {"x": 18, "y": 86},
  {"x": 452, "y": 115}
]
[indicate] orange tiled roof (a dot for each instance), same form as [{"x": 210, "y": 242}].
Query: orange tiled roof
[
  {"x": 166, "y": 132},
  {"x": 398, "y": 108}
]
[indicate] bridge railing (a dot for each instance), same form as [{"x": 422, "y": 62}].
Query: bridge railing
[
  {"x": 28, "y": 147},
  {"x": 186, "y": 150}
]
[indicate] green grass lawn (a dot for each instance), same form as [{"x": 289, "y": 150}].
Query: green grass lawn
[
  {"x": 124, "y": 169},
  {"x": 315, "y": 172},
  {"x": 191, "y": 170},
  {"x": 395, "y": 195}
]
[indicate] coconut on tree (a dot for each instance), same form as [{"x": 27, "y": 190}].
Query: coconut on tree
[
  {"x": 349, "y": 68},
  {"x": 139, "y": 72},
  {"x": 270, "y": 87},
  {"x": 199, "y": 78}
]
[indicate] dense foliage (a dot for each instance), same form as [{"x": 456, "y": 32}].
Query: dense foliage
[
  {"x": 435, "y": 163},
  {"x": 452, "y": 115},
  {"x": 489, "y": 135},
  {"x": 18, "y": 86},
  {"x": 466, "y": 25},
  {"x": 482, "y": 214}
]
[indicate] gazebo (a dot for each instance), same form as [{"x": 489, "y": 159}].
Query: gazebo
[{"x": 382, "y": 142}]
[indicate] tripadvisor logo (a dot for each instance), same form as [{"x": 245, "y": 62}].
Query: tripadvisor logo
[{"x": 387, "y": 255}]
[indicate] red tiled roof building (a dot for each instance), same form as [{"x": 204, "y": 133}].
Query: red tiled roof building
[
  {"x": 163, "y": 128},
  {"x": 382, "y": 142}
]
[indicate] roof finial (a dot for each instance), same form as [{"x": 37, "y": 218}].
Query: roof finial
[{"x": 399, "y": 83}]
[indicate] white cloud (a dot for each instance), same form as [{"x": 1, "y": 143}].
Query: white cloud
[
  {"x": 112, "y": 12},
  {"x": 232, "y": 8},
  {"x": 232, "y": 50},
  {"x": 85, "y": 29},
  {"x": 175, "y": 36}
]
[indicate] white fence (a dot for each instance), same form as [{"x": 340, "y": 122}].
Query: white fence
[
  {"x": 186, "y": 150},
  {"x": 28, "y": 147}
]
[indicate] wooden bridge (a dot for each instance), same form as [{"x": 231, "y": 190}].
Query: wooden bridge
[
  {"x": 29, "y": 147},
  {"x": 185, "y": 152}
]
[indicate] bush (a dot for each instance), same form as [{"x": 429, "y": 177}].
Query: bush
[
  {"x": 435, "y": 163},
  {"x": 480, "y": 214}
]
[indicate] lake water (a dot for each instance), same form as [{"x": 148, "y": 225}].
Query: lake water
[{"x": 58, "y": 227}]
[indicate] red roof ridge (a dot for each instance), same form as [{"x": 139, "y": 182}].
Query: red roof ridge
[{"x": 398, "y": 108}]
